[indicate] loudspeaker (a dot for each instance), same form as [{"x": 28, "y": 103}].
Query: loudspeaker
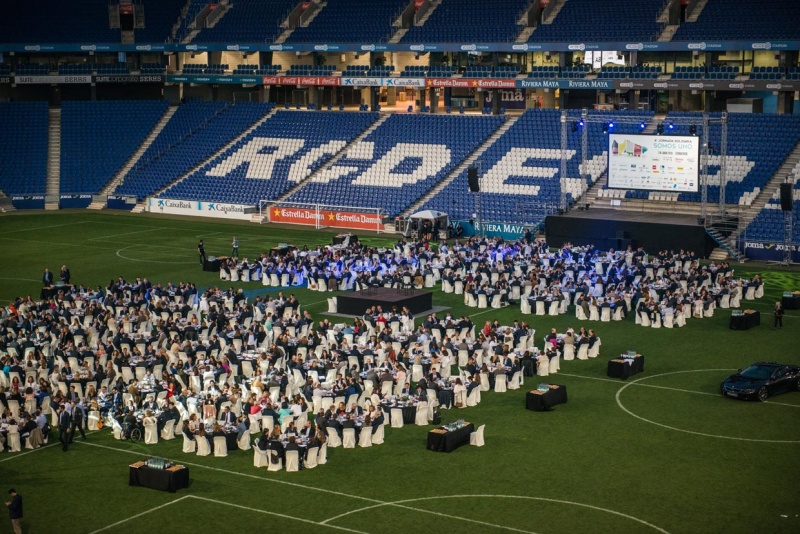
[
  {"x": 786, "y": 197},
  {"x": 472, "y": 178}
]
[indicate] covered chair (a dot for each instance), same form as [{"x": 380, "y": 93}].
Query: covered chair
[
  {"x": 422, "y": 414},
  {"x": 220, "y": 446},
  {"x": 275, "y": 462},
  {"x": 244, "y": 441},
  {"x": 292, "y": 461},
  {"x": 500, "y": 382},
  {"x": 260, "y": 458},
  {"x": 476, "y": 438},
  {"x": 188, "y": 445},
  {"x": 397, "y": 418},
  {"x": 168, "y": 432},
  {"x": 365, "y": 438},
  {"x": 203, "y": 448},
  {"x": 150, "y": 433},
  {"x": 311, "y": 458},
  {"x": 333, "y": 438},
  {"x": 378, "y": 436},
  {"x": 349, "y": 438},
  {"x": 13, "y": 439},
  {"x": 322, "y": 455}
]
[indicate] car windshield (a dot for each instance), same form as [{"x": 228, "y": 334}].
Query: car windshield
[{"x": 757, "y": 372}]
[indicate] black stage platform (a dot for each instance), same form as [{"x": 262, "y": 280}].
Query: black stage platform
[
  {"x": 617, "y": 229},
  {"x": 356, "y": 302}
]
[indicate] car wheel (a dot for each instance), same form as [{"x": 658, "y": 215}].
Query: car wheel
[{"x": 763, "y": 394}]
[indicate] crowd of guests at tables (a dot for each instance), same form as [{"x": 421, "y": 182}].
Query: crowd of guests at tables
[{"x": 210, "y": 364}]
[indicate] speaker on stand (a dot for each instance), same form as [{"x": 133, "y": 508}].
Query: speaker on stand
[
  {"x": 786, "y": 197},
  {"x": 472, "y": 179}
]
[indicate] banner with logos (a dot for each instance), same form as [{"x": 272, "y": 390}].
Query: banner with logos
[
  {"x": 28, "y": 80},
  {"x": 219, "y": 210},
  {"x": 328, "y": 218},
  {"x": 492, "y": 229},
  {"x": 74, "y": 201},
  {"x": 129, "y": 78},
  {"x": 473, "y": 83},
  {"x": 671, "y": 46},
  {"x": 28, "y": 202},
  {"x": 769, "y": 251},
  {"x": 301, "y": 80},
  {"x": 213, "y": 79}
]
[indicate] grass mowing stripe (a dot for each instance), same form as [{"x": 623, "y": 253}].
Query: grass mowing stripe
[
  {"x": 140, "y": 514},
  {"x": 126, "y": 233},
  {"x": 284, "y": 516},
  {"x": 674, "y": 389},
  {"x": 312, "y": 488},
  {"x": 46, "y": 227},
  {"x": 21, "y": 454}
]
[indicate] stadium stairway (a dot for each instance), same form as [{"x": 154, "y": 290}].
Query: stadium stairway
[
  {"x": 218, "y": 152},
  {"x": 426, "y": 16},
  {"x": 117, "y": 179},
  {"x": 769, "y": 191},
  {"x": 469, "y": 160},
  {"x": 669, "y": 29},
  {"x": 698, "y": 9},
  {"x": 53, "y": 159},
  {"x": 526, "y": 33},
  {"x": 336, "y": 157}
]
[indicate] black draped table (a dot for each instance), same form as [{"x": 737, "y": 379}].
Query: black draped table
[
  {"x": 440, "y": 440},
  {"x": 213, "y": 265},
  {"x": 446, "y": 398},
  {"x": 539, "y": 401},
  {"x": 791, "y": 301},
  {"x": 170, "y": 480},
  {"x": 745, "y": 321},
  {"x": 409, "y": 412},
  {"x": 625, "y": 367}
]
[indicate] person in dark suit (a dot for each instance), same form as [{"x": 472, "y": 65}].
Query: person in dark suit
[
  {"x": 47, "y": 278},
  {"x": 15, "y": 510},
  {"x": 64, "y": 424},
  {"x": 201, "y": 252},
  {"x": 77, "y": 420},
  {"x": 228, "y": 418},
  {"x": 778, "y": 313}
]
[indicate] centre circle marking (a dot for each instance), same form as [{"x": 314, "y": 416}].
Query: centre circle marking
[
  {"x": 626, "y": 410},
  {"x": 119, "y": 255},
  {"x": 522, "y": 497}
]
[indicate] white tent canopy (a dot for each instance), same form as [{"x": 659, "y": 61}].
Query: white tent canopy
[
  {"x": 427, "y": 215},
  {"x": 431, "y": 215}
]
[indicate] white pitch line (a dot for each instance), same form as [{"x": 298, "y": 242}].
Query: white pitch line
[
  {"x": 520, "y": 497},
  {"x": 21, "y": 454},
  {"x": 207, "y": 235},
  {"x": 46, "y": 227},
  {"x": 125, "y": 233},
  {"x": 112, "y": 525},
  {"x": 312, "y": 488},
  {"x": 674, "y": 389},
  {"x": 55, "y": 244},
  {"x": 284, "y": 516}
]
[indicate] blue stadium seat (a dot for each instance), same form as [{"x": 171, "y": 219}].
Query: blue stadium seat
[
  {"x": 351, "y": 21},
  {"x": 585, "y": 20},
  {"x": 470, "y": 21},
  {"x": 522, "y": 168},
  {"x": 399, "y": 162},
  {"x": 23, "y": 147},
  {"x": 196, "y": 131},
  {"x": 280, "y": 152},
  {"x": 742, "y": 19},
  {"x": 97, "y": 138}
]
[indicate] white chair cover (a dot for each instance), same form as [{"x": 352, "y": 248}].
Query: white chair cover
[
  {"x": 476, "y": 438},
  {"x": 349, "y": 438},
  {"x": 188, "y": 445},
  {"x": 292, "y": 461},
  {"x": 220, "y": 446}
]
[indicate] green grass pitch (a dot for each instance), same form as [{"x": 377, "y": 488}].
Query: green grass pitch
[{"x": 662, "y": 452}]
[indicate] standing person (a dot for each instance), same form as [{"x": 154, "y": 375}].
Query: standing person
[
  {"x": 778, "y": 313},
  {"x": 235, "y": 248},
  {"x": 47, "y": 278},
  {"x": 64, "y": 422},
  {"x": 15, "y": 510},
  {"x": 201, "y": 252},
  {"x": 77, "y": 420}
]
